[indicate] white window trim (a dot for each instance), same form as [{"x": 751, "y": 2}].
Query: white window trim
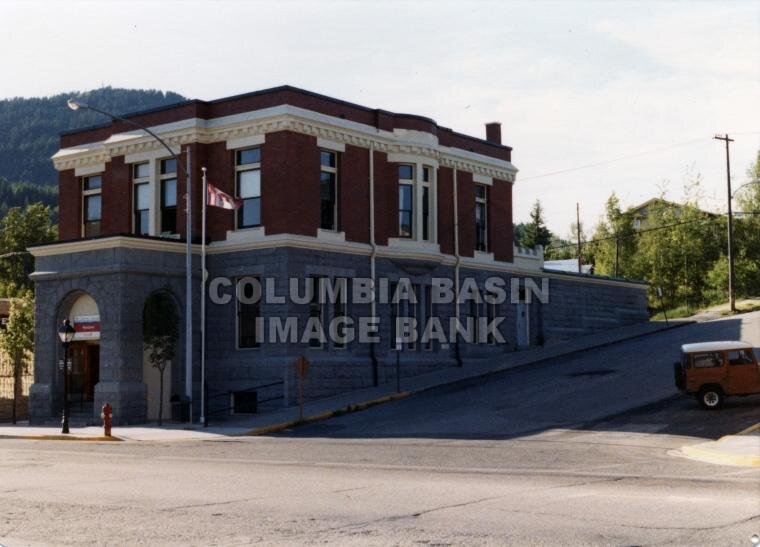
[
  {"x": 87, "y": 193},
  {"x": 409, "y": 182},
  {"x": 135, "y": 182},
  {"x": 483, "y": 201},
  {"x": 334, "y": 171},
  {"x": 418, "y": 183},
  {"x": 157, "y": 196},
  {"x": 240, "y": 169}
]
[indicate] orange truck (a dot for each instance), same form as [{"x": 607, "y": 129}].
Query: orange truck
[{"x": 712, "y": 371}]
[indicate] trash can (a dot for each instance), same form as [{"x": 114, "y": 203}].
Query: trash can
[{"x": 180, "y": 409}]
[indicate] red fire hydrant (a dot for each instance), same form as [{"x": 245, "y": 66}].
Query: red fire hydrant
[{"x": 106, "y": 414}]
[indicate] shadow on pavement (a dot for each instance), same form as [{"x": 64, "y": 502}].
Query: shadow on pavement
[{"x": 627, "y": 386}]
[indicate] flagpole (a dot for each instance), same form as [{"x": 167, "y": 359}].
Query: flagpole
[{"x": 204, "y": 276}]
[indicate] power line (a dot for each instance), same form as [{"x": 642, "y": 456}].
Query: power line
[{"x": 631, "y": 156}]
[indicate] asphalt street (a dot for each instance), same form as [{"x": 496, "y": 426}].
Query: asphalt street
[{"x": 574, "y": 451}]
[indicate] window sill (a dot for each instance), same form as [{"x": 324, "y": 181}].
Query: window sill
[{"x": 333, "y": 236}]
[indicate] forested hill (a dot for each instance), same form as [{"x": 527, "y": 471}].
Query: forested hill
[{"x": 29, "y": 131}]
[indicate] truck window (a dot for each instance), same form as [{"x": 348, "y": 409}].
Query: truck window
[
  {"x": 740, "y": 357},
  {"x": 707, "y": 360}
]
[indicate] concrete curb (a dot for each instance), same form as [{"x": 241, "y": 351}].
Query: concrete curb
[
  {"x": 705, "y": 453},
  {"x": 750, "y": 429},
  {"x": 720, "y": 453},
  {"x": 264, "y": 430},
  {"x": 61, "y": 437}
]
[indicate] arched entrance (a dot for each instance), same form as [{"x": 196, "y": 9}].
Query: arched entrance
[{"x": 84, "y": 352}]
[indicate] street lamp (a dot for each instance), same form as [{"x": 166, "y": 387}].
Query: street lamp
[
  {"x": 75, "y": 105},
  {"x": 66, "y": 334}
]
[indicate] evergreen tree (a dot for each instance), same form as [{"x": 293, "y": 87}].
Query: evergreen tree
[{"x": 536, "y": 232}]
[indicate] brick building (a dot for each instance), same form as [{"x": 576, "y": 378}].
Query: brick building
[{"x": 331, "y": 192}]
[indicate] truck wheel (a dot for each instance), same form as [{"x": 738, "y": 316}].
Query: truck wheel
[{"x": 710, "y": 397}]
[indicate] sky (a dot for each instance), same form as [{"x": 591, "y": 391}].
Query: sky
[{"x": 638, "y": 87}]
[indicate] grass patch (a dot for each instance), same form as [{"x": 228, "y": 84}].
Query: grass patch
[
  {"x": 743, "y": 307},
  {"x": 674, "y": 313}
]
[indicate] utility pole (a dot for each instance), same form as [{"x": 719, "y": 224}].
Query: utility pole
[
  {"x": 578, "y": 233},
  {"x": 617, "y": 255},
  {"x": 731, "y": 295}
]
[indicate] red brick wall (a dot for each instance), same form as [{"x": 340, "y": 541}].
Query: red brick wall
[
  {"x": 116, "y": 198},
  {"x": 500, "y": 233},
  {"x": 69, "y": 206},
  {"x": 446, "y": 209},
  {"x": 466, "y": 213},
  {"x": 353, "y": 193},
  {"x": 386, "y": 199},
  {"x": 220, "y": 165},
  {"x": 290, "y": 184}
]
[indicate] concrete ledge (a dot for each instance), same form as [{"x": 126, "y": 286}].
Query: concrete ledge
[{"x": 742, "y": 449}]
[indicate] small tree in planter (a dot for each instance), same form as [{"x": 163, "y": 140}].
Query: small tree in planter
[
  {"x": 17, "y": 340},
  {"x": 160, "y": 332}
]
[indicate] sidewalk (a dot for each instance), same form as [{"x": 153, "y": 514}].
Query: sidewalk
[
  {"x": 741, "y": 449},
  {"x": 349, "y": 402}
]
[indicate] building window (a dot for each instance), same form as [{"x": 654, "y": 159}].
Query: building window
[
  {"x": 141, "y": 199},
  {"x": 394, "y": 315},
  {"x": 412, "y": 306},
  {"x": 475, "y": 316},
  {"x": 481, "y": 218},
  {"x": 168, "y": 183},
  {"x": 406, "y": 201},
  {"x": 427, "y": 178},
  {"x": 248, "y": 187},
  {"x": 317, "y": 309},
  {"x": 429, "y": 314},
  {"x": 340, "y": 310},
  {"x": 328, "y": 186},
  {"x": 91, "y": 205},
  {"x": 248, "y": 313},
  {"x": 492, "y": 308}
]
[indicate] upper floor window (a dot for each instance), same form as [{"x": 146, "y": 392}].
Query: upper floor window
[
  {"x": 481, "y": 217},
  {"x": 248, "y": 187},
  {"x": 427, "y": 179},
  {"x": 91, "y": 205},
  {"x": 141, "y": 200},
  {"x": 328, "y": 191},
  {"x": 168, "y": 184},
  {"x": 406, "y": 201}
]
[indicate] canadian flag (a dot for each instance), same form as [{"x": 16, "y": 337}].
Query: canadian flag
[{"x": 217, "y": 198}]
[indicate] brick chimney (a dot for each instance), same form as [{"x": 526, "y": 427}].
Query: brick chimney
[{"x": 493, "y": 132}]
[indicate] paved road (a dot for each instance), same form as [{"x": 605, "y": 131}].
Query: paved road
[{"x": 539, "y": 456}]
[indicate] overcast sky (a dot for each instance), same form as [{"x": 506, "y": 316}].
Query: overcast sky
[{"x": 573, "y": 83}]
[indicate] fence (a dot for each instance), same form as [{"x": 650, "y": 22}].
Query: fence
[{"x": 6, "y": 389}]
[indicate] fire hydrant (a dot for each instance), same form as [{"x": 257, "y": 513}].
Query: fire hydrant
[{"x": 106, "y": 414}]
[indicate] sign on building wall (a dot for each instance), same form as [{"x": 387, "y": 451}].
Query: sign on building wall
[{"x": 87, "y": 327}]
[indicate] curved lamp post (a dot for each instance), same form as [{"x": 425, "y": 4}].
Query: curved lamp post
[
  {"x": 73, "y": 104},
  {"x": 66, "y": 335}
]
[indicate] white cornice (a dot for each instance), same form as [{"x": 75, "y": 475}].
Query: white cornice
[
  {"x": 282, "y": 118},
  {"x": 257, "y": 241}
]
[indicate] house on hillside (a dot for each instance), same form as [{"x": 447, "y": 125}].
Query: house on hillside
[{"x": 641, "y": 213}]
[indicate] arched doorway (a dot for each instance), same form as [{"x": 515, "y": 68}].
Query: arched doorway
[{"x": 84, "y": 352}]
